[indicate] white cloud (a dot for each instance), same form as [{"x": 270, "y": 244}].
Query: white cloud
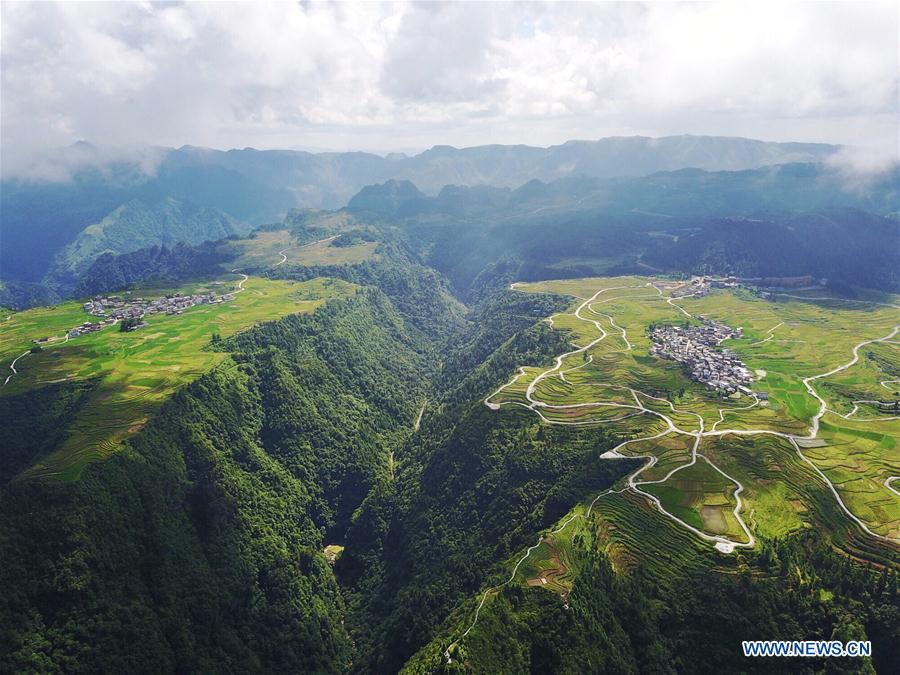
[{"x": 403, "y": 75}]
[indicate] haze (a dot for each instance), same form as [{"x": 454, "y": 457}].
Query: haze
[{"x": 405, "y": 76}]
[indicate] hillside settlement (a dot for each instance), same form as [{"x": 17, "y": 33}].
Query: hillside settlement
[
  {"x": 697, "y": 349},
  {"x": 115, "y": 308}
]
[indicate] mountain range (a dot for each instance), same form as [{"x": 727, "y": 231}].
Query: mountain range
[{"x": 50, "y": 230}]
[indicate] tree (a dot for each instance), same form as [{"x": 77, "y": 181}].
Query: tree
[{"x": 129, "y": 324}]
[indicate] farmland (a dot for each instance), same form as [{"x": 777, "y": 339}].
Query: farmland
[
  {"x": 279, "y": 247},
  {"x": 136, "y": 371},
  {"x": 810, "y": 443}
]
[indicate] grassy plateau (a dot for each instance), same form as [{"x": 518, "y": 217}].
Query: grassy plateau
[{"x": 137, "y": 371}]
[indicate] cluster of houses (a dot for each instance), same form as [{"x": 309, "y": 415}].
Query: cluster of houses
[
  {"x": 89, "y": 327},
  {"x": 697, "y": 349},
  {"x": 115, "y": 308},
  {"x": 698, "y": 287}
]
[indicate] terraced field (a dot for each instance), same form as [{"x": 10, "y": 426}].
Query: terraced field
[
  {"x": 138, "y": 370},
  {"x": 813, "y": 445}
]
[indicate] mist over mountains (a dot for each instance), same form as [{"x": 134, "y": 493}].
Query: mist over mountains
[
  {"x": 329, "y": 179},
  {"x": 56, "y": 222}
]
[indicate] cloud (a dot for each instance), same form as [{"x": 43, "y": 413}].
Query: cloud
[
  {"x": 405, "y": 75},
  {"x": 864, "y": 162}
]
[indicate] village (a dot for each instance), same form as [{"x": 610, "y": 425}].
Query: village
[
  {"x": 116, "y": 308},
  {"x": 696, "y": 348},
  {"x": 765, "y": 287}
]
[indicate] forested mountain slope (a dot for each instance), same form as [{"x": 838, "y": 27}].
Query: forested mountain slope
[
  {"x": 789, "y": 220},
  {"x": 44, "y": 211},
  {"x": 161, "y": 265},
  {"x": 199, "y": 545},
  {"x": 140, "y": 224}
]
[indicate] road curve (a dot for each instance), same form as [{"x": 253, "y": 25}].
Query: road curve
[
  {"x": 12, "y": 366},
  {"x": 721, "y": 543},
  {"x": 536, "y": 405}
]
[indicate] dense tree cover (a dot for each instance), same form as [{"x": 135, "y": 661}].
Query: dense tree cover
[
  {"x": 141, "y": 223},
  {"x": 847, "y": 246},
  {"x": 419, "y": 293},
  {"x": 851, "y": 245},
  {"x": 35, "y": 421},
  {"x": 501, "y": 316},
  {"x": 788, "y": 220},
  {"x": 610, "y": 622},
  {"x": 157, "y": 264},
  {"x": 197, "y": 547},
  {"x": 190, "y": 550},
  {"x": 473, "y": 487},
  {"x": 353, "y": 237},
  {"x": 22, "y": 295},
  {"x": 367, "y": 385}
]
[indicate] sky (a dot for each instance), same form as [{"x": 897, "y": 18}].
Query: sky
[{"x": 406, "y": 76}]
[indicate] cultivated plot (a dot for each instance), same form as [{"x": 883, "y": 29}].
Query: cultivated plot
[{"x": 811, "y": 442}]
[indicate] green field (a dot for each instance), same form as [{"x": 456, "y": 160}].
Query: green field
[
  {"x": 260, "y": 249},
  {"x": 323, "y": 253},
  {"x": 757, "y": 463},
  {"x": 137, "y": 371},
  {"x": 610, "y": 379},
  {"x": 272, "y": 248}
]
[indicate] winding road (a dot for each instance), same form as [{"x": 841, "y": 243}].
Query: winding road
[
  {"x": 721, "y": 543},
  {"x": 887, "y": 484},
  {"x": 240, "y": 286},
  {"x": 12, "y": 366}
]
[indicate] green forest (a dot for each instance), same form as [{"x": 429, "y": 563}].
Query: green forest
[
  {"x": 199, "y": 546},
  {"x": 449, "y": 337}
]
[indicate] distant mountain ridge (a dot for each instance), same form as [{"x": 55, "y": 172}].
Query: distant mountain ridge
[
  {"x": 139, "y": 224},
  {"x": 664, "y": 194},
  {"x": 40, "y": 219},
  {"x": 329, "y": 179}
]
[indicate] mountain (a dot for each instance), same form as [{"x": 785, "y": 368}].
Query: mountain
[
  {"x": 787, "y": 187},
  {"x": 847, "y": 246},
  {"x": 330, "y": 493},
  {"x": 686, "y": 221},
  {"x": 330, "y": 179},
  {"x": 610, "y": 197},
  {"x": 336, "y": 497},
  {"x": 139, "y": 224},
  {"x": 511, "y": 166},
  {"x": 41, "y": 215},
  {"x": 39, "y": 218},
  {"x": 386, "y": 198}
]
